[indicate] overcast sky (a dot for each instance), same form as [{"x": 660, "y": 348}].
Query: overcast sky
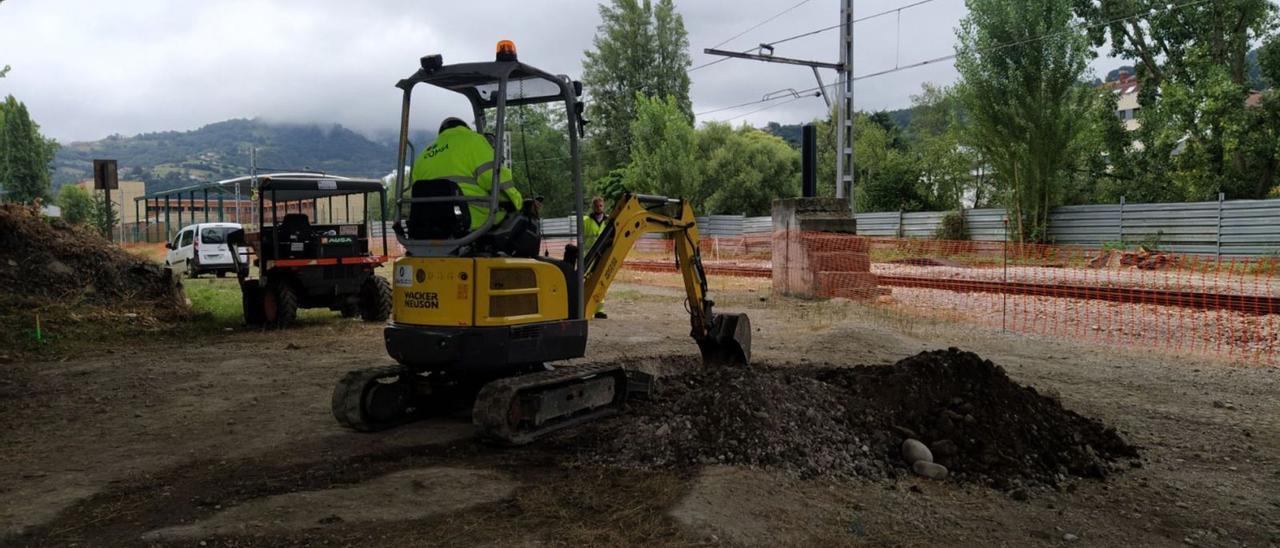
[{"x": 90, "y": 68}]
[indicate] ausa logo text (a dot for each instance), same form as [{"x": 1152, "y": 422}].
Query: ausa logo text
[{"x": 422, "y": 299}]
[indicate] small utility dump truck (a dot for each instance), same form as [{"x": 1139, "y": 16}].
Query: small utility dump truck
[{"x": 297, "y": 262}]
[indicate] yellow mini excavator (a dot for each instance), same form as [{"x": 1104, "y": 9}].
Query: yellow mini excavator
[{"x": 479, "y": 316}]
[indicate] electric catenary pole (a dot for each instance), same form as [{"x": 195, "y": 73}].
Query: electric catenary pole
[
  {"x": 844, "y": 108},
  {"x": 844, "y": 91}
]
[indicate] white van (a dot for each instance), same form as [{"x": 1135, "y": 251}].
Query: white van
[{"x": 202, "y": 248}]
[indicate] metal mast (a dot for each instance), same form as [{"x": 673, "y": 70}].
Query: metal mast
[
  {"x": 844, "y": 109},
  {"x": 844, "y": 93}
]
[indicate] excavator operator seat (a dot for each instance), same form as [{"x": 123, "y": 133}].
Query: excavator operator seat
[
  {"x": 519, "y": 235},
  {"x": 438, "y": 220},
  {"x": 295, "y": 227}
]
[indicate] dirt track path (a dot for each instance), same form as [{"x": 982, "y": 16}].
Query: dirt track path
[{"x": 104, "y": 449}]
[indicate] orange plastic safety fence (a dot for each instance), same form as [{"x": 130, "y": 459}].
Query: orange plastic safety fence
[{"x": 1141, "y": 299}]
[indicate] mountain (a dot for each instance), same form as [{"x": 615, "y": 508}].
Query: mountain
[{"x": 221, "y": 150}]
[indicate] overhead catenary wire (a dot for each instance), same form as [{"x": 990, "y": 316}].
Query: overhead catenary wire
[
  {"x": 740, "y": 105},
  {"x": 803, "y": 34},
  {"x": 775, "y": 105},
  {"x": 897, "y": 10},
  {"x": 762, "y": 23},
  {"x": 749, "y": 29},
  {"x": 990, "y": 49}
]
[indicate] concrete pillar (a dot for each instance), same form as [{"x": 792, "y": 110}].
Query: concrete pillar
[{"x": 817, "y": 252}]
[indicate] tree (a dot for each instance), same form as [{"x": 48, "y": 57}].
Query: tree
[
  {"x": 1164, "y": 39},
  {"x": 613, "y": 185},
  {"x": 744, "y": 169},
  {"x": 540, "y": 156},
  {"x": 76, "y": 203},
  {"x": 1269, "y": 62},
  {"x": 669, "y": 73},
  {"x": 639, "y": 51},
  {"x": 25, "y": 155},
  {"x": 1262, "y": 132},
  {"x": 663, "y": 150},
  {"x": 1193, "y": 62},
  {"x": 105, "y": 217},
  {"x": 935, "y": 135},
  {"x": 1026, "y": 104},
  {"x": 886, "y": 176}
]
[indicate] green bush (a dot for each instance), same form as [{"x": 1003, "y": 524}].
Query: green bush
[
  {"x": 1151, "y": 242},
  {"x": 76, "y": 203},
  {"x": 953, "y": 227},
  {"x": 1114, "y": 246}
]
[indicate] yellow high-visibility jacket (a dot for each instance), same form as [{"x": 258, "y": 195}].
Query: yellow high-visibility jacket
[
  {"x": 591, "y": 229},
  {"x": 466, "y": 158}
]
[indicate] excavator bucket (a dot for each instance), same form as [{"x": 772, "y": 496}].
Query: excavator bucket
[{"x": 728, "y": 343}]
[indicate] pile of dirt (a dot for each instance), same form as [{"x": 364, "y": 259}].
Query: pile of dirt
[
  {"x": 852, "y": 421},
  {"x": 57, "y": 261}
]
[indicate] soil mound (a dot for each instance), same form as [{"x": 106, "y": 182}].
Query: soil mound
[
  {"x": 58, "y": 261},
  {"x": 851, "y": 422}
]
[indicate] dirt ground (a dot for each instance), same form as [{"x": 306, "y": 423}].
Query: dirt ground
[{"x": 228, "y": 441}]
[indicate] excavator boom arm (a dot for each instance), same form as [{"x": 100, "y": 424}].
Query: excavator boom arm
[{"x": 723, "y": 338}]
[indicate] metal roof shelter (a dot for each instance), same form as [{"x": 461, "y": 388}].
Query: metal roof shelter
[{"x": 295, "y": 191}]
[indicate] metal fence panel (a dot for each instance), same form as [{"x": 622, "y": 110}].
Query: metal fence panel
[
  {"x": 985, "y": 225},
  {"x": 1089, "y": 225},
  {"x": 757, "y": 225},
  {"x": 720, "y": 225},
  {"x": 878, "y": 224},
  {"x": 1237, "y": 228},
  {"x": 922, "y": 224}
]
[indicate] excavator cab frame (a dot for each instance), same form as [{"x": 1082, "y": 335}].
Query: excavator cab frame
[{"x": 488, "y": 86}]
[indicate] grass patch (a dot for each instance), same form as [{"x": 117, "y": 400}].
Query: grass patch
[
  {"x": 215, "y": 303},
  {"x": 73, "y": 327}
]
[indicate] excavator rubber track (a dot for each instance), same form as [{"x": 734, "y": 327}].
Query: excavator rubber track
[
  {"x": 518, "y": 410},
  {"x": 375, "y": 398}
]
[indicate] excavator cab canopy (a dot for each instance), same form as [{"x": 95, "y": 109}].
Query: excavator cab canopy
[{"x": 490, "y": 87}]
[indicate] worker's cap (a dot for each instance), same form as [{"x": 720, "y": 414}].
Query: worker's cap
[{"x": 452, "y": 122}]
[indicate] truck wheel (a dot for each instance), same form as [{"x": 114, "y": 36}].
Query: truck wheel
[
  {"x": 375, "y": 299},
  {"x": 251, "y": 303},
  {"x": 281, "y": 305}
]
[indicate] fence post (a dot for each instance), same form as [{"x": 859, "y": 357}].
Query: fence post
[
  {"x": 1217, "y": 252},
  {"x": 1120, "y": 229},
  {"x": 899, "y": 231}
]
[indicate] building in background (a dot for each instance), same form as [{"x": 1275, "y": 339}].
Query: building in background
[
  {"x": 121, "y": 198},
  {"x": 1126, "y": 90}
]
